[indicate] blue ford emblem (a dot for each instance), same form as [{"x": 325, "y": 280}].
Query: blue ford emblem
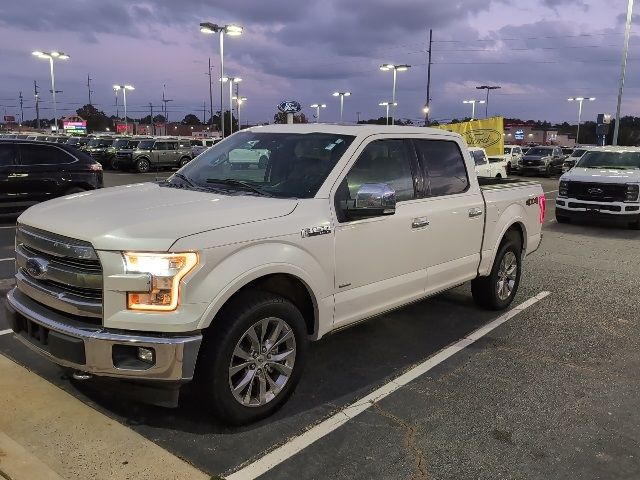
[
  {"x": 595, "y": 191},
  {"x": 36, "y": 267},
  {"x": 289, "y": 106}
]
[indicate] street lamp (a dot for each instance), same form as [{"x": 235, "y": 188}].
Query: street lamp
[
  {"x": 318, "y": 106},
  {"x": 239, "y": 102},
  {"x": 395, "y": 68},
  {"x": 487, "y": 88},
  {"x": 386, "y": 105},
  {"x": 473, "y": 106},
  {"x": 233, "y": 31},
  {"x": 51, "y": 56},
  {"x": 124, "y": 89},
  {"x": 231, "y": 81},
  {"x": 341, "y": 95},
  {"x": 426, "y": 110},
  {"x": 580, "y": 100}
]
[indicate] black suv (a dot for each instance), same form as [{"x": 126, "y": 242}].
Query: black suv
[
  {"x": 99, "y": 150},
  {"x": 33, "y": 171}
]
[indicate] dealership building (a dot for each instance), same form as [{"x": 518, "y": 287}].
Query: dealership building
[{"x": 527, "y": 134}]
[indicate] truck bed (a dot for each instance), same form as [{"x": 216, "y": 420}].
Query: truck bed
[{"x": 493, "y": 183}]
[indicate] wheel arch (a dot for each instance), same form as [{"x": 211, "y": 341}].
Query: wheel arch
[{"x": 510, "y": 224}]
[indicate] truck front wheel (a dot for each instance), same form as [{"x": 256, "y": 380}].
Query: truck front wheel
[
  {"x": 252, "y": 358},
  {"x": 496, "y": 292}
]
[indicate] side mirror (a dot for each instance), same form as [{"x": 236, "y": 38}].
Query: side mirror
[{"x": 373, "y": 200}]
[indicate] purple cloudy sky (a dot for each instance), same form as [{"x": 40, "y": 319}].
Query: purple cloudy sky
[{"x": 540, "y": 51}]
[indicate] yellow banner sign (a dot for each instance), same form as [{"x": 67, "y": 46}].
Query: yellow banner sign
[{"x": 487, "y": 133}]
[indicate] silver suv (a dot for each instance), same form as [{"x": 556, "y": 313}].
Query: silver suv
[{"x": 161, "y": 153}]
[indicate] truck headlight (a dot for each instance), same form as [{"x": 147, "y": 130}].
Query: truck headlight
[
  {"x": 632, "y": 192},
  {"x": 166, "y": 270},
  {"x": 563, "y": 189}
]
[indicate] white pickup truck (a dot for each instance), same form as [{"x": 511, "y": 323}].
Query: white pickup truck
[
  {"x": 224, "y": 274},
  {"x": 488, "y": 166},
  {"x": 605, "y": 184}
]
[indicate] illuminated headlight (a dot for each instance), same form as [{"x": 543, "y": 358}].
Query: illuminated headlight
[
  {"x": 166, "y": 270},
  {"x": 632, "y": 192},
  {"x": 563, "y": 189}
]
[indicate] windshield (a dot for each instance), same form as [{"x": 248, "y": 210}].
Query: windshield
[
  {"x": 616, "y": 160},
  {"x": 73, "y": 141},
  {"x": 539, "y": 151},
  {"x": 121, "y": 143},
  {"x": 578, "y": 152},
  {"x": 100, "y": 142},
  {"x": 287, "y": 165},
  {"x": 146, "y": 144}
]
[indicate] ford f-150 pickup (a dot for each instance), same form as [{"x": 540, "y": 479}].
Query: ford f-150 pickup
[{"x": 222, "y": 275}]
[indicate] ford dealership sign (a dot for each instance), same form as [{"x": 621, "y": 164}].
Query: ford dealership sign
[{"x": 289, "y": 106}]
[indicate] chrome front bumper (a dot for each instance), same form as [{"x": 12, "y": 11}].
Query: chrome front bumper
[{"x": 97, "y": 350}]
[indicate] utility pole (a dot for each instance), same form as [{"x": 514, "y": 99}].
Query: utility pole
[
  {"x": 358, "y": 113},
  {"x": 89, "y": 87},
  {"x": 164, "y": 103},
  {"x": 204, "y": 113},
  {"x": 210, "y": 94},
  {"x": 237, "y": 105},
  {"x": 623, "y": 69},
  {"x": 37, "y": 97},
  {"x": 153, "y": 125},
  {"x": 427, "y": 107},
  {"x": 21, "y": 110}
]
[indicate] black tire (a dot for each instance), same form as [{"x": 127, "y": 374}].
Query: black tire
[
  {"x": 142, "y": 165},
  {"x": 184, "y": 161},
  {"x": 217, "y": 353},
  {"x": 548, "y": 172},
  {"x": 562, "y": 218},
  {"x": 113, "y": 163},
  {"x": 499, "y": 175},
  {"x": 485, "y": 289},
  {"x": 508, "y": 169}
]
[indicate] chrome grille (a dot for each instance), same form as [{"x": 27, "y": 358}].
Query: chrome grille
[{"x": 59, "y": 272}]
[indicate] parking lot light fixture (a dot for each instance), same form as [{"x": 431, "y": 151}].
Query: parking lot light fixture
[
  {"x": 580, "y": 100},
  {"x": 239, "y": 102},
  {"x": 386, "y": 105},
  {"x": 318, "y": 106},
  {"x": 232, "y": 30},
  {"x": 124, "y": 89},
  {"x": 395, "y": 69},
  {"x": 341, "y": 95},
  {"x": 54, "y": 54},
  {"x": 488, "y": 88},
  {"x": 473, "y": 106}
]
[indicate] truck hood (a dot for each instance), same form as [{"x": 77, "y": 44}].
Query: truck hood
[
  {"x": 602, "y": 175},
  {"x": 535, "y": 157},
  {"x": 146, "y": 216}
]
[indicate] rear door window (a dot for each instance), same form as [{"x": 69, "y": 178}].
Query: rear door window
[
  {"x": 7, "y": 154},
  {"x": 43, "y": 155},
  {"x": 479, "y": 157},
  {"x": 161, "y": 146},
  {"x": 444, "y": 166}
]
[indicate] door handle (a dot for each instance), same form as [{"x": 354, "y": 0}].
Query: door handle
[
  {"x": 420, "y": 222},
  {"x": 475, "y": 212}
]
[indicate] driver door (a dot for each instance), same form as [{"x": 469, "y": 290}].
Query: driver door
[{"x": 378, "y": 260}]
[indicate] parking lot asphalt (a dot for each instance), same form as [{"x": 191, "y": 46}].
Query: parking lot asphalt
[{"x": 551, "y": 393}]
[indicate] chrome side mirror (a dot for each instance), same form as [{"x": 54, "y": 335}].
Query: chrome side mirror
[{"x": 372, "y": 200}]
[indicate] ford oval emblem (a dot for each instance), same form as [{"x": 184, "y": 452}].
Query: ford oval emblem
[
  {"x": 289, "y": 106},
  {"x": 595, "y": 191},
  {"x": 36, "y": 267}
]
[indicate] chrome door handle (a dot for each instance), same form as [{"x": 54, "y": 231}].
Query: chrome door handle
[
  {"x": 420, "y": 222},
  {"x": 475, "y": 212}
]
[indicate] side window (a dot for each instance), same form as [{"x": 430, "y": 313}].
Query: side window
[
  {"x": 479, "y": 157},
  {"x": 209, "y": 143},
  {"x": 383, "y": 161},
  {"x": 7, "y": 154},
  {"x": 172, "y": 145},
  {"x": 444, "y": 165},
  {"x": 43, "y": 155},
  {"x": 160, "y": 146}
]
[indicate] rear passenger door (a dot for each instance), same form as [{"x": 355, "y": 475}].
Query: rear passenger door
[
  {"x": 159, "y": 153},
  {"x": 454, "y": 208}
]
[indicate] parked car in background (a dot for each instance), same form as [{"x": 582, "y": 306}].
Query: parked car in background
[
  {"x": 605, "y": 183},
  {"x": 246, "y": 155},
  {"x": 573, "y": 157},
  {"x": 485, "y": 168},
  {"x": 513, "y": 157},
  {"x": 124, "y": 148},
  {"x": 77, "y": 142},
  {"x": 160, "y": 153},
  {"x": 542, "y": 161},
  {"x": 98, "y": 149},
  {"x": 199, "y": 145},
  {"x": 34, "y": 171}
]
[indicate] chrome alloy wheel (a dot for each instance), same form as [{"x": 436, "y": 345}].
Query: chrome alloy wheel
[
  {"x": 262, "y": 362},
  {"x": 507, "y": 274}
]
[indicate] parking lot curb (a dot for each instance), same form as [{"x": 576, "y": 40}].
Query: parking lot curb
[
  {"x": 72, "y": 439},
  {"x": 16, "y": 463}
]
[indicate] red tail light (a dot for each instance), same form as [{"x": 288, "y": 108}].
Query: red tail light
[
  {"x": 542, "y": 203},
  {"x": 95, "y": 167}
]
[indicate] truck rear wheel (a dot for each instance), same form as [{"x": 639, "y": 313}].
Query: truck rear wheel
[
  {"x": 252, "y": 358},
  {"x": 497, "y": 291}
]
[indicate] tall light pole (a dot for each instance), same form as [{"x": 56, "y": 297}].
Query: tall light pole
[
  {"x": 487, "y": 88},
  {"x": 51, "y": 56},
  {"x": 239, "y": 102},
  {"x": 386, "y": 105},
  {"x": 623, "y": 69},
  {"x": 124, "y": 89},
  {"x": 318, "y": 106},
  {"x": 473, "y": 106},
  {"x": 232, "y": 31},
  {"x": 426, "y": 111},
  {"x": 341, "y": 95},
  {"x": 231, "y": 81},
  {"x": 395, "y": 69},
  {"x": 580, "y": 100}
]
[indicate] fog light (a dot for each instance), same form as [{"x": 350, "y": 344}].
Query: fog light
[{"x": 146, "y": 355}]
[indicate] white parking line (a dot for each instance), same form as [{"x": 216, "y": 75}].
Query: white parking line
[
  {"x": 6, "y": 259},
  {"x": 302, "y": 441},
  {"x": 11, "y": 226},
  {"x": 551, "y": 191},
  {"x": 4, "y": 332}
]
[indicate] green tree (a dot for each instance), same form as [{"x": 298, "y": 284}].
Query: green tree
[
  {"x": 190, "y": 119},
  {"x": 96, "y": 119}
]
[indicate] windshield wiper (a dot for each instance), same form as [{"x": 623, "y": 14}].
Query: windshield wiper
[
  {"x": 231, "y": 182},
  {"x": 185, "y": 178}
]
